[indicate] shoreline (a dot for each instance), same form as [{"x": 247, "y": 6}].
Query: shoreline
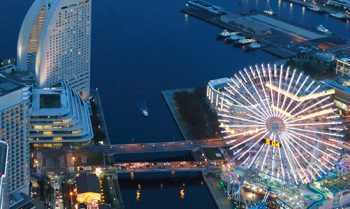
[{"x": 209, "y": 182}]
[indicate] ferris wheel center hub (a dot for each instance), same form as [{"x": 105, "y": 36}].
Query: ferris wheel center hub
[{"x": 275, "y": 125}]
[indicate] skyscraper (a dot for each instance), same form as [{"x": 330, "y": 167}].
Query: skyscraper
[
  {"x": 3, "y": 175},
  {"x": 14, "y": 130},
  {"x": 54, "y": 43}
]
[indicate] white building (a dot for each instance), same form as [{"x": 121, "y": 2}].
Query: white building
[
  {"x": 214, "y": 90},
  {"x": 54, "y": 43},
  {"x": 3, "y": 175},
  {"x": 59, "y": 117},
  {"x": 14, "y": 130}
]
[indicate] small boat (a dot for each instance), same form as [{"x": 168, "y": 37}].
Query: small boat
[
  {"x": 145, "y": 113},
  {"x": 254, "y": 45},
  {"x": 270, "y": 12},
  {"x": 337, "y": 15},
  {"x": 315, "y": 8},
  {"x": 323, "y": 29},
  {"x": 225, "y": 34},
  {"x": 142, "y": 106},
  {"x": 244, "y": 41},
  {"x": 233, "y": 38}
]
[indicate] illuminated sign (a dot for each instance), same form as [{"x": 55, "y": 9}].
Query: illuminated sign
[{"x": 272, "y": 143}]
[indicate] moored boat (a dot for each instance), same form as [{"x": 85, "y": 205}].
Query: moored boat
[
  {"x": 225, "y": 34},
  {"x": 323, "y": 29}
]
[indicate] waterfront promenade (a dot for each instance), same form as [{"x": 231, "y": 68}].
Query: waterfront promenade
[{"x": 211, "y": 182}]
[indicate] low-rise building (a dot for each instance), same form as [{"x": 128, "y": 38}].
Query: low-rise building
[
  {"x": 343, "y": 66},
  {"x": 88, "y": 190},
  {"x": 59, "y": 117},
  {"x": 214, "y": 90}
]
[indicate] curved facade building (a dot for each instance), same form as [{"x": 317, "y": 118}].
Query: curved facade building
[
  {"x": 59, "y": 117},
  {"x": 54, "y": 43}
]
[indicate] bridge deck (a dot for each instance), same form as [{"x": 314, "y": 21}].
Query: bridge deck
[{"x": 154, "y": 167}]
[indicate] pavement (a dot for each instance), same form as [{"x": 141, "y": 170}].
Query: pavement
[{"x": 214, "y": 187}]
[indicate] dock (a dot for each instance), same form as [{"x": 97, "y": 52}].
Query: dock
[
  {"x": 324, "y": 9},
  {"x": 276, "y": 32}
]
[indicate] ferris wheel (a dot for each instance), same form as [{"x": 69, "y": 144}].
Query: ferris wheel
[{"x": 281, "y": 122}]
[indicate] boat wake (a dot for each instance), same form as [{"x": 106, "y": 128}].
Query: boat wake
[{"x": 142, "y": 107}]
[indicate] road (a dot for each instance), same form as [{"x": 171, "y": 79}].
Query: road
[
  {"x": 144, "y": 147},
  {"x": 132, "y": 167}
]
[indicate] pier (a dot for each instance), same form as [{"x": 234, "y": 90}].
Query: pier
[{"x": 276, "y": 32}]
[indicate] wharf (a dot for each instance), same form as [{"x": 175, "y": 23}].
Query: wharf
[
  {"x": 168, "y": 97},
  {"x": 213, "y": 185},
  {"x": 210, "y": 181},
  {"x": 323, "y": 8},
  {"x": 96, "y": 96},
  {"x": 276, "y": 32}
]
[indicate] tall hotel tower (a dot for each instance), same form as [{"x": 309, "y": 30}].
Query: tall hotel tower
[
  {"x": 14, "y": 130},
  {"x": 54, "y": 43},
  {"x": 3, "y": 175}
]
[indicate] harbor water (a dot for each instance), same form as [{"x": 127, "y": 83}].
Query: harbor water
[{"x": 142, "y": 47}]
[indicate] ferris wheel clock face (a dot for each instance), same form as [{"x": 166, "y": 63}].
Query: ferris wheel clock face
[{"x": 280, "y": 122}]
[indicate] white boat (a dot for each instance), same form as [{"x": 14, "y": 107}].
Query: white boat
[
  {"x": 226, "y": 33},
  {"x": 142, "y": 106},
  {"x": 145, "y": 113},
  {"x": 338, "y": 15},
  {"x": 245, "y": 41},
  {"x": 270, "y": 12},
  {"x": 233, "y": 38},
  {"x": 254, "y": 45},
  {"x": 323, "y": 29},
  {"x": 315, "y": 8}
]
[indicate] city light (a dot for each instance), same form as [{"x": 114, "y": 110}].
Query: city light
[{"x": 285, "y": 124}]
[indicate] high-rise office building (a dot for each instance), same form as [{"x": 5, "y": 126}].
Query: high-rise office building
[
  {"x": 14, "y": 130},
  {"x": 54, "y": 43},
  {"x": 3, "y": 175}
]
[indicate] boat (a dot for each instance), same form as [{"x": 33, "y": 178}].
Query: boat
[
  {"x": 225, "y": 34},
  {"x": 323, "y": 29},
  {"x": 270, "y": 12},
  {"x": 337, "y": 15},
  {"x": 233, "y": 38},
  {"x": 145, "y": 113},
  {"x": 315, "y": 8},
  {"x": 142, "y": 106},
  {"x": 254, "y": 45},
  {"x": 244, "y": 41}
]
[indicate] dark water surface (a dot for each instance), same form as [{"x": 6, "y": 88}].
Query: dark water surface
[{"x": 142, "y": 47}]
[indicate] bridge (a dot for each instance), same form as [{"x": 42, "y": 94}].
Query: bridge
[
  {"x": 170, "y": 146},
  {"x": 166, "y": 146},
  {"x": 135, "y": 167}
]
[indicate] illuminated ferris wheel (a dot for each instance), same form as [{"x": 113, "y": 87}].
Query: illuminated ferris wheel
[{"x": 281, "y": 123}]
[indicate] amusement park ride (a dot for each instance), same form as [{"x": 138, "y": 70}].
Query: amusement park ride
[{"x": 280, "y": 124}]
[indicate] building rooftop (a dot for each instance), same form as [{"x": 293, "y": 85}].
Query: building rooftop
[
  {"x": 88, "y": 183},
  {"x": 336, "y": 85},
  {"x": 50, "y": 101},
  {"x": 8, "y": 86},
  {"x": 19, "y": 200}
]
